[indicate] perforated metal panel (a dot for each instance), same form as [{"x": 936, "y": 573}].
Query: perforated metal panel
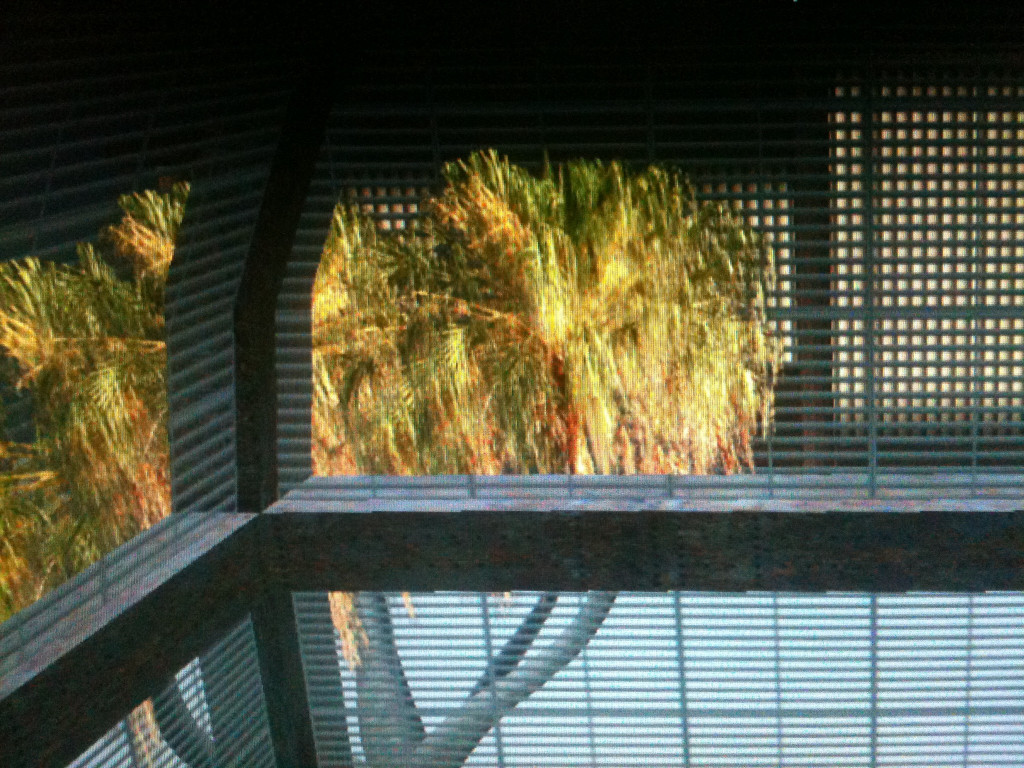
[{"x": 932, "y": 340}]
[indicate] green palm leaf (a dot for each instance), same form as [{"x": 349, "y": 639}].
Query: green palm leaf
[{"x": 87, "y": 342}]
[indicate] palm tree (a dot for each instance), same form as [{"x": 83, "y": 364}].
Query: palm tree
[
  {"x": 586, "y": 321},
  {"x": 88, "y": 342}
]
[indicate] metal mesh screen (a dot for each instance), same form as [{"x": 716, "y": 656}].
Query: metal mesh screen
[
  {"x": 932, "y": 271},
  {"x": 839, "y": 679}
]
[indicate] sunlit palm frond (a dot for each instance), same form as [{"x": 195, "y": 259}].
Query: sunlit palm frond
[
  {"x": 586, "y": 321},
  {"x": 88, "y": 343},
  {"x": 146, "y": 235}
]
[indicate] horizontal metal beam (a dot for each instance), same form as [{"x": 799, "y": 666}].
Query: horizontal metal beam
[
  {"x": 916, "y": 489},
  {"x": 649, "y": 550},
  {"x": 78, "y": 661}
]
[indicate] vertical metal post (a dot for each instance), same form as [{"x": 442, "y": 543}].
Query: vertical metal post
[
  {"x": 778, "y": 676},
  {"x": 284, "y": 686},
  {"x": 681, "y": 660},
  {"x": 868, "y": 245},
  {"x": 873, "y": 672},
  {"x": 762, "y": 184},
  {"x": 591, "y": 741},
  {"x": 977, "y": 359},
  {"x": 291, "y": 173},
  {"x": 277, "y": 642},
  {"x": 967, "y": 676},
  {"x": 485, "y": 617}
]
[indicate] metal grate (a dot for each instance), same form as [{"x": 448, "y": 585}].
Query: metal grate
[
  {"x": 933, "y": 271},
  {"x": 713, "y": 679}
]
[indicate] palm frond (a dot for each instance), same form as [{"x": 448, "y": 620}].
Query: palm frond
[
  {"x": 88, "y": 343},
  {"x": 588, "y": 320}
]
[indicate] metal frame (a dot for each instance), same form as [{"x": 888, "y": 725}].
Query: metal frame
[
  {"x": 277, "y": 635},
  {"x": 119, "y": 632},
  {"x": 212, "y": 570},
  {"x": 180, "y": 587}
]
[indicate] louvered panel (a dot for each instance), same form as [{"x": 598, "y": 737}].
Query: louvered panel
[
  {"x": 824, "y": 651},
  {"x": 234, "y": 692},
  {"x": 941, "y": 389},
  {"x": 838, "y": 679},
  {"x": 212, "y": 714},
  {"x": 293, "y": 362},
  {"x": 922, "y": 651},
  {"x": 79, "y": 132},
  {"x": 77, "y": 144},
  {"x": 321, "y": 648},
  {"x": 213, "y": 244}
]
